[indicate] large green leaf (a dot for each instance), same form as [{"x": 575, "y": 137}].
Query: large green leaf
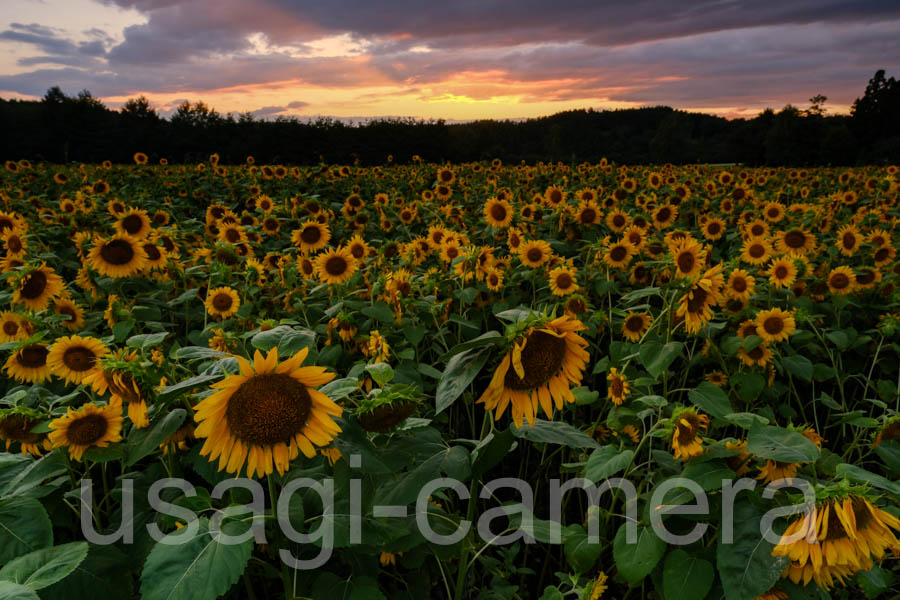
[
  {"x": 711, "y": 400},
  {"x": 635, "y": 561},
  {"x": 146, "y": 340},
  {"x": 24, "y": 527},
  {"x": 860, "y": 475},
  {"x": 798, "y": 366},
  {"x": 581, "y": 554},
  {"x": 142, "y": 442},
  {"x": 554, "y": 432},
  {"x": 461, "y": 370},
  {"x": 657, "y": 357},
  {"x": 778, "y": 443},
  {"x": 14, "y": 591},
  {"x": 605, "y": 462},
  {"x": 199, "y": 569},
  {"x": 45, "y": 567},
  {"x": 746, "y": 566},
  {"x": 105, "y": 573},
  {"x": 686, "y": 577}
]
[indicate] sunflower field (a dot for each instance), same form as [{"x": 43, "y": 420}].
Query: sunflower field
[{"x": 449, "y": 381}]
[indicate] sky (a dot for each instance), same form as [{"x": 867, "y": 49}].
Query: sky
[{"x": 454, "y": 60}]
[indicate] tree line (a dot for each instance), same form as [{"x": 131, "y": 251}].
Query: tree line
[{"x": 61, "y": 128}]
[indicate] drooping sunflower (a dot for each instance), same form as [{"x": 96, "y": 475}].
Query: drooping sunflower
[
  {"x": 74, "y": 358},
  {"x": 538, "y": 371},
  {"x": 29, "y": 364},
  {"x": 266, "y": 414},
  {"x": 686, "y": 427},
  {"x": 775, "y": 325},
  {"x": 696, "y": 305},
  {"x": 90, "y": 426},
  {"x": 311, "y": 236},
  {"x": 756, "y": 251},
  {"x": 688, "y": 256},
  {"x": 535, "y": 253},
  {"x": 118, "y": 256},
  {"x": 618, "y": 388},
  {"x": 335, "y": 266},
  {"x": 841, "y": 281},
  {"x": 782, "y": 272},
  {"x": 635, "y": 325},
  {"x": 498, "y": 213},
  {"x": 222, "y": 302},
  {"x": 134, "y": 223},
  {"x": 37, "y": 288},
  {"x": 562, "y": 281}
]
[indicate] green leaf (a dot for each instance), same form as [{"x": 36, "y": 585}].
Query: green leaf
[
  {"x": 711, "y": 400},
  {"x": 184, "y": 297},
  {"x": 746, "y": 566},
  {"x": 580, "y": 552},
  {"x": 194, "y": 352},
  {"x": 489, "y": 338},
  {"x": 45, "y": 567},
  {"x": 490, "y": 451},
  {"x": 142, "y": 442},
  {"x": 187, "y": 384},
  {"x": 746, "y": 420},
  {"x": 652, "y": 401},
  {"x": 461, "y": 370},
  {"x": 635, "y": 561},
  {"x": 778, "y": 443},
  {"x": 748, "y": 385},
  {"x": 146, "y": 340},
  {"x": 105, "y": 573},
  {"x": 121, "y": 330},
  {"x": 24, "y": 527},
  {"x": 584, "y": 396},
  {"x": 709, "y": 475},
  {"x": 551, "y": 592},
  {"x": 605, "y": 462},
  {"x": 553, "y": 432},
  {"x": 382, "y": 373},
  {"x": 839, "y": 339},
  {"x": 338, "y": 389},
  {"x": 875, "y": 581},
  {"x": 287, "y": 339},
  {"x": 456, "y": 463},
  {"x": 379, "y": 311},
  {"x": 799, "y": 366},
  {"x": 686, "y": 577},
  {"x": 198, "y": 569},
  {"x": 14, "y": 591},
  {"x": 657, "y": 357},
  {"x": 860, "y": 475}
]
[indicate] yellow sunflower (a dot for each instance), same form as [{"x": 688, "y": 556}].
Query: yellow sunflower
[
  {"x": 16, "y": 425},
  {"x": 15, "y": 242},
  {"x": 311, "y": 236},
  {"x": 267, "y": 413},
  {"x": 222, "y": 302},
  {"x": 13, "y": 327},
  {"x": 849, "y": 239},
  {"x": 562, "y": 281},
  {"x": 118, "y": 256},
  {"x": 775, "y": 325},
  {"x": 134, "y": 223},
  {"x": 795, "y": 242},
  {"x": 535, "y": 253},
  {"x": 782, "y": 272},
  {"x": 687, "y": 424},
  {"x": 635, "y": 325},
  {"x": 65, "y": 306},
  {"x": 335, "y": 266},
  {"x": 498, "y": 213},
  {"x": 618, "y": 387},
  {"x": 90, "y": 426},
  {"x": 37, "y": 288},
  {"x": 756, "y": 251},
  {"x": 758, "y": 357},
  {"x": 619, "y": 254},
  {"x": 688, "y": 256},
  {"x": 713, "y": 229},
  {"x": 74, "y": 358},
  {"x": 29, "y": 364},
  {"x": 696, "y": 305},
  {"x": 841, "y": 281},
  {"x": 539, "y": 370},
  {"x": 740, "y": 286}
]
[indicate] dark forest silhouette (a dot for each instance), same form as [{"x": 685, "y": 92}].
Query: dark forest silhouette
[{"x": 61, "y": 128}]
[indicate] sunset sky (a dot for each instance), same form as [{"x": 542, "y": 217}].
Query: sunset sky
[{"x": 453, "y": 60}]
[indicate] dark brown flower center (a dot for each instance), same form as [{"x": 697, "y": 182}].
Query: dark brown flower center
[
  {"x": 498, "y": 212},
  {"x": 33, "y": 356},
  {"x": 534, "y": 255},
  {"x": 13, "y": 243},
  {"x": 781, "y": 272},
  {"x": 117, "y": 252},
  {"x": 232, "y": 235},
  {"x": 336, "y": 265},
  {"x": 86, "y": 430},
  {"x": 756, "y": 250},
  {"x": 222, "y": 301},
  {"x": 849, "y": 240},
  {"x": 618, "y": 253},
  {"x": 739, "y": 284},
  {"x": 563, "y": 281},
  {"x": 18, "y": 428},
  {"x": 839, "y": 281},
  {"x": 634, "y": 323},
  {"x": 663, "y": 215},
  {"x": 697, "y": 302},
  {"x": 794, "y": 239},
  {"x": 153, "y": 252},
  {"x": 79, "y": 358},
  {"x": 618, "y": 221},
  {"x": 268, "y": 409},
  {"x": 713, "y": 228},
  {"x": 773, "y": 325},
  {"x": 686, "y": 261},
  {"x": 882, "y": 254},
  {"x": 10, "y": 327},
  {"x": 311, "y": 235},
  {"x": 132, "y": 224},
  {"x": 35, "y": 284},
  {"x": 542, "y": 358},
  {"x": 687, "y": 432},
  {"x": 588, "y": 215}
]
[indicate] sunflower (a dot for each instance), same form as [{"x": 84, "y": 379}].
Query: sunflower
[
  {"x": 664, "y": 216},
  {"x": 775, "y": 325},
  {"x": 635, "y": 325},
  {"x": 756, "y": 251},
  {"x": 759, "y": 356},
  {"x": 140, "y": 158},
  {"x": 358, "y": 247},
  {"x": 15, "y": 241},
  {"x": 884, "y": 255},
  {"x": 696, "y": 304},
  {"x": 13, "y": 327},
  {"x": 74, "y": 358},
  {"x": 782, "y": 272},
  {"x": 836, "y": 539},
  {"x": 335, "y": 266},
  {"x": 498, "y": 213},
  {"x": 562, "y": 281},
  {"x": 686, "y": 427},
  {"x": 618, "y": 387},
  {"x": 713, "y": 229},
  {"x": 222, "y": 302},
  {"x": 29, "y": 364},
  {"x": 538, "y": 370},
  {"x": 841, "y": 281},
  {"x": 848, "y": 239},
  {"x": 619, "y": 254},
  {"x": 795, "y": 242},
  {"x": 757, "y": 228},
  {"x": 553, "y": 196},
  {"x": 118, "y": 256},
  {"x": 311, "y": 236},
  {"x": 267, "y": 413},
  {"x": 37, "y": 287},
  {"x": 133, "y": 222},
  {"x": 535, "y": 253},
  {"x": 689, "y": 257},
  {"x": 617, "y": 220},
  {"x": 717, "y": 378},
  {"x": 587, "y": 214},
  {"x": 740, "y": 286},
  {"x": 16, "y": 425},
  {"x": 156, "y": 255},
  {"x": 65, "y": 306},
  {"x": 773, "y": 212},
  {"x": 90, "y": 426}
]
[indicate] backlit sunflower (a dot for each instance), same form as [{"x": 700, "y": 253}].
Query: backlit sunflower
[
  {"x": 498, "y": 213},
  {"x": 635, "y": 325},
  {"x": 135, "y": 223},
  {"x": 618, "y": 388},
  {"x": 311, "y": 236},
  {"x": 539, "y": 369},
  {"x": 562, "y": 281},
  {"x": 841, "y": 281},
  {"x": 74, "y": 358},
  {"x": 775, "y": 325},
  {"x": 222, "y": 302},
  {"x": 15, "y": 427},
  {"x": 36, "y": 288},
  {"x": 335, "y": 266},
  {"x": 13, "y": 327},
  {"x": 267, "y": 414},
  {"x": 782, "y": 272},
  {"x": 756, "y": 251},
  {"x": 686, "y": 426},
  {"x": 90, "y": 426},
  {"x": 118, "y": 256},
  {"x": 29, "y": 364},
  {"x": 535, "y": 253}
]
